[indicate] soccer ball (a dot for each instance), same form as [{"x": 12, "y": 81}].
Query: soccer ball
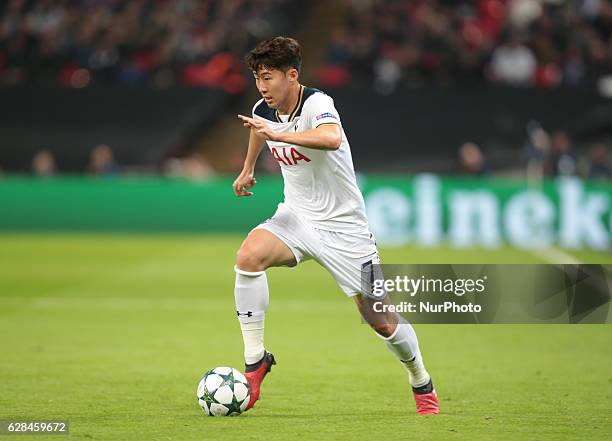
[{"x": 223, "y": 391}]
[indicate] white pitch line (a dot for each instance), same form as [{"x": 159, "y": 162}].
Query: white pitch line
[{"x": 556, "y": 256}]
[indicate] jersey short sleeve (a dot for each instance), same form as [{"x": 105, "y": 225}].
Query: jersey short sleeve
[{"x": 319, "y": 109}]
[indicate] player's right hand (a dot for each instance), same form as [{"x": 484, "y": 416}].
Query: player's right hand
[{"x": 243, "y": 183}]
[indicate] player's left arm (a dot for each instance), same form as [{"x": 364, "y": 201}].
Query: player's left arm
[{"x": 324, "y": 137}]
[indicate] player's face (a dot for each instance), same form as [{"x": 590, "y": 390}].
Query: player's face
[{"x": 274, "y": 85}]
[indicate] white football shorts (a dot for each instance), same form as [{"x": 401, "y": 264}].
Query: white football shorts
[{"x": 343, "y": 255}]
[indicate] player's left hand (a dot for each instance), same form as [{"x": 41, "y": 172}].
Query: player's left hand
[{"x": 261, "y": 128}]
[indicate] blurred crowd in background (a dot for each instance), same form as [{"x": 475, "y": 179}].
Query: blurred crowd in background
[
  {"x": 158, "y": 43},
  {"x": 545, "y": 155},
  {"x": 543, "y": 43},
  {"x": 385, "y": 45},
  {"x": 101, "y": 162}
]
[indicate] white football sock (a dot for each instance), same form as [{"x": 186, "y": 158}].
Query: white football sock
[
  {"x": 405, "y": 345},
  {"x": 252, "y": 298},
  {"x": 253, "y": 337}
]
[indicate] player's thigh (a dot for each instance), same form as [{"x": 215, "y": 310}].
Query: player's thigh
[
  {"x": 261, "y": 250},
  {"x": 345, "y": 256}
]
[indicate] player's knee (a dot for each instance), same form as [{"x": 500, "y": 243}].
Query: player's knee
[
  {"x": 249, "y": 260},
  {"x": 384, "y": 329}
]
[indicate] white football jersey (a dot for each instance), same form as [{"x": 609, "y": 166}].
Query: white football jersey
[{"x": 320, "y": 185}]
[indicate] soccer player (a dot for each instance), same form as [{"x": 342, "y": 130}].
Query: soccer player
[{"x": 322, "y": 216}]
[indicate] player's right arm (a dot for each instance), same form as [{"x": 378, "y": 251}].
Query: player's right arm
[{"x": 246, "y": 179}]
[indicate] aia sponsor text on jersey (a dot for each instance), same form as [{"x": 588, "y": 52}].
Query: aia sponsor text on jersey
[{"x": 288, "y": 155}]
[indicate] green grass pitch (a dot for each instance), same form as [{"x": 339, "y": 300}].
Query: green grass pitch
[{"x": 113, "y": 332}]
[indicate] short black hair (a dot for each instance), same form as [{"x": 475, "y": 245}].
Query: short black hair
[{"x": 281, "y": 53}]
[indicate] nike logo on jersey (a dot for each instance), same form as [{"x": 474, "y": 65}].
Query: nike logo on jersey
[{"x": 288, "y": 155}]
